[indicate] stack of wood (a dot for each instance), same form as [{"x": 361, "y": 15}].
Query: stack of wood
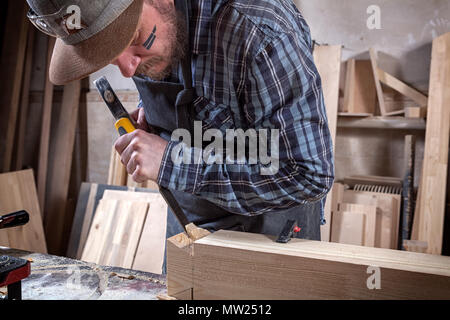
[
  {"x": 41, "y": 127},
  {"x": 422, "y": 227}
]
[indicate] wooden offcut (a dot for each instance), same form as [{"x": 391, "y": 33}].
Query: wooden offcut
[
  {"x": 18, "y": 192},
  {"x": 431, "y": 207},
  {"x": 328, "y": 63},
  {"x": 235, "y": 265},
  {"x": 360, "y": 91}
]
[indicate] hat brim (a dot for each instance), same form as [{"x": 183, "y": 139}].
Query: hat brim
[{"x": 74, "y": 62}]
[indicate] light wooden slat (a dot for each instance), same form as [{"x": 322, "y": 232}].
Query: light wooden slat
[
  {"x": 433, "y": 191},
  {"x": 416, "y": 112},
  {"x": 236, "y": 265},
  {"x": 402, "y": 87},
  {"x": 18, "y": 192},
  {"x": 117, "y": 175},
  {"x": 380, "y": 96},
  {"x": 60, "y": 164},
  {"x": 45, "y": 131},
  {"x": 328, "y": 63}
]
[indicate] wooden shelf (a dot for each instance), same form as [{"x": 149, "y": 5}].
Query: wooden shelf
[{"x": 398, "y": 123}]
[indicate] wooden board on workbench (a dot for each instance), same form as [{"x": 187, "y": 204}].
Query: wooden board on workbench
[{"x": 18, "y": 192}]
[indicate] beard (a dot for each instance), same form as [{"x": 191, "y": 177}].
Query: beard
[{"x": 177, "y": 40}]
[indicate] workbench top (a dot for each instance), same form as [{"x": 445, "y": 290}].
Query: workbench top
[{"x": 60, "y": 278}]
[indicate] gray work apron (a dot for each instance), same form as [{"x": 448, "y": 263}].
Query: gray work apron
[{"x": 168, "y": 106}]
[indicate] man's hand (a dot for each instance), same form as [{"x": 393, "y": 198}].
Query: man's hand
[{"x": 141, "y": 152}]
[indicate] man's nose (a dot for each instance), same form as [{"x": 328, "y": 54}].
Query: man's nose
[{"x": 127, "y": 63}]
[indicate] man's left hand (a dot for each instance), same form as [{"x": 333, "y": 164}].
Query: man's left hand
[{"x": 141, "y": 152}]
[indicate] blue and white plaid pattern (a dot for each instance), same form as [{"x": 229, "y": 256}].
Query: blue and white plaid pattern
[{"x": 253, "y": 68}]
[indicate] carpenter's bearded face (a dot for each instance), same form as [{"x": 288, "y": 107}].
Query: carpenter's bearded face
[{"x": 159, "y": 43}]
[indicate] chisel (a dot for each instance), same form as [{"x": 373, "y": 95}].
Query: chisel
[{"x": 124, "y": 125}]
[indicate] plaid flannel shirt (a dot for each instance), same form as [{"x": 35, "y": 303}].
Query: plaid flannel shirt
[{"x": 253, "y": 68}]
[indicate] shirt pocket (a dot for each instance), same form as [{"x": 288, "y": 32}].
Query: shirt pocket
[{"x": 213, "y": 115}]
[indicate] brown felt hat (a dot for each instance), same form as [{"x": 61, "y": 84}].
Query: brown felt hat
[{"x": 108, "y": 28}]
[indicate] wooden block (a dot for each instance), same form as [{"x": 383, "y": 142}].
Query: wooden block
[
  {"x": 328, "y": 63},
  {"x": 416, "y": 112},
  {"x": 115, "y": 233},
  {"x": 389, "y": 214},
  {"x": 180, "y": 267},
  {"x": 117, "y": 175},
  {"x": 348, "y": 227},
  {"x": 18, "y": 192},
  {"x": 235, "y": 265},
  {"x": 150, "y": 251},
  {"x": 415, "y": 246},
  {"x": 433, "y": 191},
  {"x": 360, "y": 90}
]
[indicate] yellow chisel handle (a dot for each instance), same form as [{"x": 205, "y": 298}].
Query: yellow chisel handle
[{"x": 124, "y": 126}]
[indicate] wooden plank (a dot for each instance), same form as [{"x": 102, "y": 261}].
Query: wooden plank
[
  {"x": 236, "y": 265},
  {"x": 402, "y": 87},
  {"x": 360, "y": 90},
  {"x": 115, "y": 233},
  {"x": 24, "y": 103},
  {"x": 388, "y": 223},
  {"x": 117, "y": 175},
  {"x": 416, "y": 112},
  {"x": 18, "y": 192},
  {"x": 328, "y": 63},
  {"x": 433, "y": 193},
  {"x": 59, "y": 170},
  {"x": 150, "y": 251},
  {"x": 348, "y": 227},
  {"x": 380, "y": 96},
  {"x": 336, "y": 197},
  {"x": 415, "y": 246},
  {"x": 45, "y": 131},
  {"x": 13, "y": 56}
]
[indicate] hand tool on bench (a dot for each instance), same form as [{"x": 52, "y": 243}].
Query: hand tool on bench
[
  {"x": 13, "y": 270},
  {"x": 124, "y": 124},
  {"x": 288, "y": 231}
]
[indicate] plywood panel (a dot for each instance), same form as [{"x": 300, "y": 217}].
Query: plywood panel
[{"x": 18, "y": 192}]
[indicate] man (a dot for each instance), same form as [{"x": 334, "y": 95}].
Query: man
[{"x": 210, "y": 65}]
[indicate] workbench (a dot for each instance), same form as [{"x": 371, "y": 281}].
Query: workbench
[{"x": 60, "y": 278}]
